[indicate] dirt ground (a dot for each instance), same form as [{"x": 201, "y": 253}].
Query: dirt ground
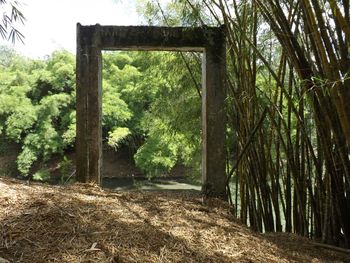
[{"x": 83, "y": 223}]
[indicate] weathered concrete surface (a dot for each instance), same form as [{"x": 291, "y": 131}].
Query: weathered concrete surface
[
  {"x": 211, "y": 41},
  {"x": 213, "y": 120},
  {"x": 81, "y": 108},
  {"x": 89, "y": 106},
  {"x": 157, "y": 38}
]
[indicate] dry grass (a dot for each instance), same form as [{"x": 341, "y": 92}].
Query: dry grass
[{"x": 83, "y": 223}]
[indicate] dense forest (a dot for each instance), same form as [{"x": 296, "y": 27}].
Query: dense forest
[
  {"x": 156, "y": 115},
  {"x": 288, "y": 108}
]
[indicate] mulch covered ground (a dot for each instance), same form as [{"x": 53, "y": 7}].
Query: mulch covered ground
[{"x": 83, "y": 223}]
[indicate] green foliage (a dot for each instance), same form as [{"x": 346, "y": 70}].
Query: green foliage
[
  {"x": 174, "y": 13},
  {"x": 25, "y": 160},
  {"x": 7, "y": 56},
  {"x": 20, "y": 120},
  {"x": 159, "y": 154},
  {"x": 171, "y": 122},
  {"x": 69, "y": 121},
  {"x": 11, "y": 17},
  {"x": 116, "y": 136},
  {"x": 149, "y": 103},
  {"x": 42, "y": 175},
  {"x": 150, "y": 96},
  {"x": 156, "y": 157},
  {"x": 36, "y": 106},
  {"x": 163, "y": 149},
  {"x": 115, "y": 110}
]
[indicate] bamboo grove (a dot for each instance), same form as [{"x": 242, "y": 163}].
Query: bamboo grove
[{"x": 288, "y": 111}]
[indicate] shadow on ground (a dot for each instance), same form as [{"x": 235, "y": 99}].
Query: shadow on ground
[{"x": 83, "y": 223}]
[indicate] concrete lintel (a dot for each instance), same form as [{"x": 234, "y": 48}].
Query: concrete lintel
[
  {"x": 150, "y": 48},
  {"x": 152, "y": 37}
]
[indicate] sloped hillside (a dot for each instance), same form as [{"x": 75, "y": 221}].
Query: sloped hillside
[{"x": 83, "y": 223}]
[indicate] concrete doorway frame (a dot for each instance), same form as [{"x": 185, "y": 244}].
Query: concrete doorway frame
[{"x": 91, "y": 40}]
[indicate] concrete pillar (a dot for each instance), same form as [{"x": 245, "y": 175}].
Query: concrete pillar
[
  {"x": 214, "y": 120},
  {"x": 89, "y": 105}
]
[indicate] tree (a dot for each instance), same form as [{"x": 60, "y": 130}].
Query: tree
[
  {"x": 288, "y": 111},
  {"x": 37, "y": 106},
  {"x": 164, "y": 121},
  {"x": 11, "y": 18},
  {"x": 315, "y": 40}
]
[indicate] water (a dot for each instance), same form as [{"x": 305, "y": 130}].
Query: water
[{"x": 142, "y": 183}]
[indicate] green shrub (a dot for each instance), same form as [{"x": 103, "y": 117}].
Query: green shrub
[{"x": 42, "y": 175}]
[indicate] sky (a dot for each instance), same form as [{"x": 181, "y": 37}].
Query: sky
[{"x": 51, "y": 24}]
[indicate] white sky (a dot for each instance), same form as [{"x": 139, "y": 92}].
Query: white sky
[{"x": 51, "y": 24}]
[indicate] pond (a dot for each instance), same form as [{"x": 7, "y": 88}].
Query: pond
[{"x": 143, "y": 183}]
